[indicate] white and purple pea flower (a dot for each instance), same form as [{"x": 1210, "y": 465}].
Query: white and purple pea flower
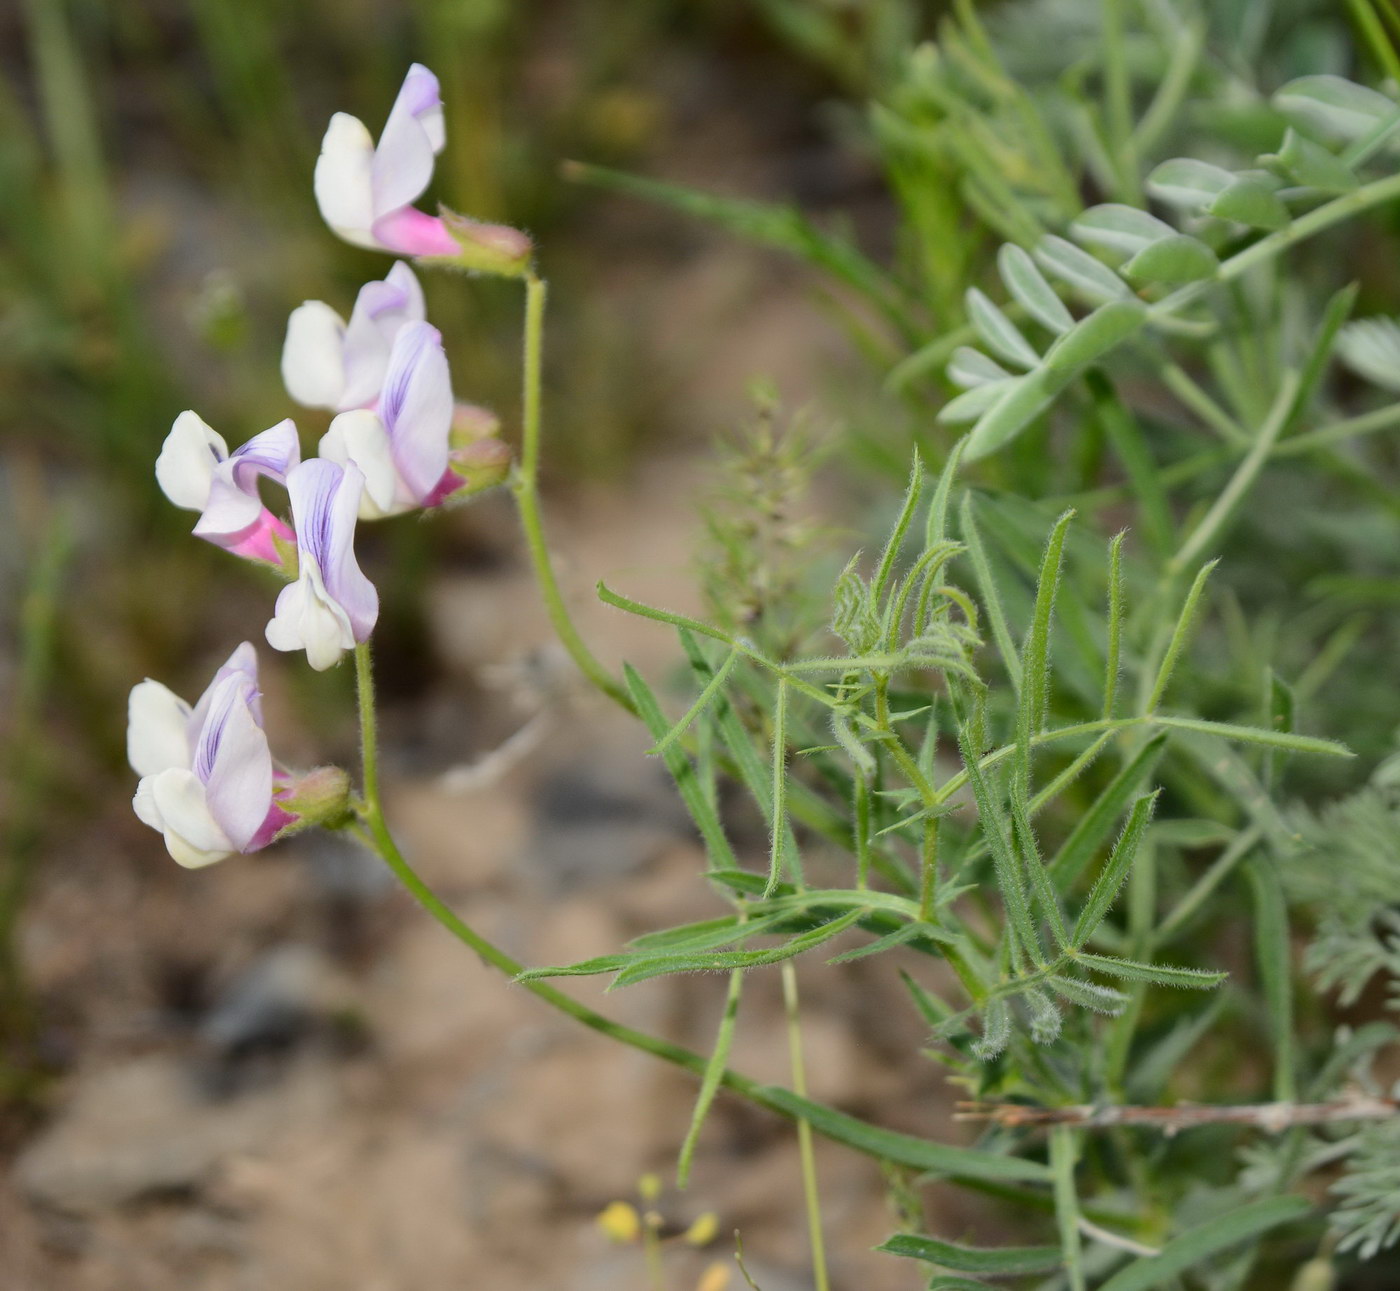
[
  {"x": 207, "y": 780},
  {"x": 331, "y": 606},
  {"x": 385, "y": 373},
  {"x": 366, "y": 190},
  {"x": 329, "y": 363},
  {"x": 196, "y": 471}
]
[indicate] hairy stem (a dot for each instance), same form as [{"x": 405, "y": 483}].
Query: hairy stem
[
  {"x": 804, "y": 1130},
  {"x": 527, "y": 501}
]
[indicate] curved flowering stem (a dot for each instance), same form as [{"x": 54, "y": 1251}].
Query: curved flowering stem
[
  {"x": 964, "y": 1164},
  {"x": 527, "y": 499}
]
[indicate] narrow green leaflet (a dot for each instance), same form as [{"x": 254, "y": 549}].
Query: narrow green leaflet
[
  {"x": 1312, "y": 165},
  {"x": 714, "y": 1073},
  {"x": 971, "y": 368},
  {"x": 1187, "y": 183},
  {"x": 1089, "y": 995},
  {"x": 644, "y": 968},
  {"x": 1252, "y": 200},
  {"x": 1181, "y": 634},
  {"x": 1093, "y": 279},
  {"x": 1001, "y": 335},
  {"x": 710, "y": 934},
  {"x": 1105, "y": 889},
  {"x": 641, "y": 965},
  {"x": 1172, "y": 260},
  {"x": 1333, "y": 107},
  {"x": 1206, "y": 1240},
  {"x": 941, "y": 1283},
  {"x": 1093, "y": 337},
  {"x": 711, "y": 690},
  {"x": 997, "y": 1261},
  {"x": 1371, "y": 348},
  {"x": 974, "y": 403},
  {"x": 1028, "y": 287},
  {"x": 1256, "y": 735},
  {"x": 1123, "y": 229},
  {"x": 1195, "y": 979}
]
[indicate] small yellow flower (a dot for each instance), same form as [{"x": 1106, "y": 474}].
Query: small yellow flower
[
  {"x": 703, "y": 1230},
  {"x": 649, "y": 1187},
  {"x": 714, "y": 1278},
  {"x": 620, "y": 1222}
]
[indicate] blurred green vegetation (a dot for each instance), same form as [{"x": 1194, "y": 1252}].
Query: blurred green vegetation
[{"x": 156, "y": 227}]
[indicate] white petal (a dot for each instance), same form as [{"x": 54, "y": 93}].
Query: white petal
[
  {"x": 313, "y": 355},
  {"x": 144, "y": 805},
  {"x": 187, "y": 459},
  {"x": 192, "y": 836},
  {"x": 306, "y": 618},
  {"x": 156, "y": 729},
  {"x": 344, "y": 190},
  {"x": 360, "y": 437}
]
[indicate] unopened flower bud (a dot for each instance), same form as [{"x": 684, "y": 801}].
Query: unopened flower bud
[
  {"x": 486, "y": 248},
  {"x": 317, "y": 798},
  {"x": 480, "y": 466},
  {"x": 471, "y": 422}
]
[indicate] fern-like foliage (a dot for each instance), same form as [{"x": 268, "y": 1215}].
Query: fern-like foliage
[{"x": 1346, "y": 870}]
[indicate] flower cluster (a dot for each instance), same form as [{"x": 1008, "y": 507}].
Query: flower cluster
[{"x": 398, "y": 442}]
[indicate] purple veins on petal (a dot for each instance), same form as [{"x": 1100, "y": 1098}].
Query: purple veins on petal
[{"x": 416, "y": 407}]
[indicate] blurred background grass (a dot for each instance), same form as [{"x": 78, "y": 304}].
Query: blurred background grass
[{"x": 157, "y": 225}]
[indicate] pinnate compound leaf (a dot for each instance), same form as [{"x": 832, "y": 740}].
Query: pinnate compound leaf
[
  {"x": 995, "y": 1261},
  {"x": 1205, "y": 1240}
]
